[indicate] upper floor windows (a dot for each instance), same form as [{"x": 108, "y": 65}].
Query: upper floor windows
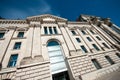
[
  {"x": 13, "y": 60},
  {"x": 96, "y": 63},
  {"x": 83, "y": 32},
  {"x": 84, "y": 49},
  {"x": 118, "y": 55},
  {"x": 20, "y": 34},
  {"x": 92, "y": 32},
  {"x": 78, "y": 40},
  {"x": 55, "y": 30},
  {"x": 2, "y": 34},
  {"x": 17, "y": 45},
  {"x": 45, "y": 30},
  {"x": 89, "y": 39},
  {"x": 109, "y": 60},
  {"x": 95, "y": 46},
  {"x": 73, "y": 32},
  {"x": 98, "y": 38},
  {"x": 50, "y": 30},
  {"x": 105, "y": 45}
]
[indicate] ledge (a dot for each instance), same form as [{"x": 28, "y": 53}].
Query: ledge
[
  {"x": 7, "y": 70},
  {"x": 32, "y": 64}
]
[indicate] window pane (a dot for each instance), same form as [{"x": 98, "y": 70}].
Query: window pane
[
  {"x": 84, "y": 49},
  {"x": 89, "y": 39},
  {"x": 17, "y": 45},
  {"x": 97, "y": 65},
  {"x": 13, "y": 60},
  {"x": 20, "y": 34},
  {"x": 83, "y": 32},
  {"x": 98, "y": 38},
  {"x": 109, "y": 60},
  {"x": 105, "y": 45},
  {"x": 56, "y": 57},
  {"x": 78, "y": 40},
  {"x": 92, "y": 32},
  {"x": 95, "y": 47},
  {"x": 118, "y": 55},
  {"x": 1, "y": 35},
  {"x": 50, "y": 30},
  {"x": 55, "y": 30},
  {"x": 58, "y": 66},
  {"x": 45, "y": 30},
  {"x": 73, "y": 32}
]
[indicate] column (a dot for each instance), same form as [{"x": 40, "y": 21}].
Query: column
[
  {"x": 29, "y": 42},
  {"x": 36, "y": 42}
]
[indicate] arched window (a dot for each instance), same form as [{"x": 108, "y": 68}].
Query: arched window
[{"x": 56, "y": 57}]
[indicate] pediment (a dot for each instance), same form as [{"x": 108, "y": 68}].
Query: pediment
[{"x": 46, "y": 17}]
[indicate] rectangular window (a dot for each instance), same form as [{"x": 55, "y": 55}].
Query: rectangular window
[
  {"x": 45, "y": 30},
  {"x": 89, "y": 39},
  {"x": 83, "y": 32},
  {"x": 92, "y": 32},
  {"x": 109, "y": 60},
  {"x": 73, "y": 32},
  {"x": 106, "y": 45},
  {"x": 17, "y": 45},
  {"x": 20, "y": 34},
  {"x": 95, "y": 47},
  {"x": 2, "y": 35},
  {"x": 95, "y": 62},
  {"x": 50, "y": 30},
  {"x": 13, "y": 60},
  {"x": 118, "y": 55},
  {"x": 84, "y": 49},
  {"x": 98, "y": 38},
  {"x": 55, "y": 30},
  {"x": 78, "y": 40}
]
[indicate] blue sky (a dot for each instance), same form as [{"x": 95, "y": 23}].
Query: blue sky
[{"x": 70, "y": 9}]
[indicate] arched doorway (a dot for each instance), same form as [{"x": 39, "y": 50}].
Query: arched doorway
[{"x": 58, "y": 66}]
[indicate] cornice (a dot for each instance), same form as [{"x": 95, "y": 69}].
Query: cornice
[
  {"x": 13, "y": 21},
  {"x": 77, "y": 23}
]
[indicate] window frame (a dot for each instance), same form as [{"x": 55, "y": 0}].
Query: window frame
[
  {"x": 15, "y": 45},
  {"x": 19, "y": 36},
  {"x": 13, "y": 62},
  {"x": 109, "y": 60},
  {"x": 84, "y": 49},
  {"x": 96, "y": 64}
]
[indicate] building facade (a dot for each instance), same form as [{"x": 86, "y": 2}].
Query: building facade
[{"x": 48, "y": 47}]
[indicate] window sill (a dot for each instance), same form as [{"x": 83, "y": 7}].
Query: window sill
[
  {"x": 7, "y": 70},
  {"x": 2, "y": 38},
  {"x": 19, "y": 38}
]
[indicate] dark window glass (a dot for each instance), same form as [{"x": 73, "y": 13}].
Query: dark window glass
[
  {"x": 20, "y": 34},
  {"x": 105, "y": 45},
  {"x": 45, "y": 30},
  {"x": 78, "y": 40},
  {"x": 55, "y": 30},
  {"x": 89, "y": 39},
  {"x": 118, "y": 55},
  {"x": 2, "y": 34},
  {"x": 109, "y": 60},
  {"x": 98, "y": 38},
  {"x": 50, "y": 30},
  {"x": 95, "y": 62},
  {"x": 92, "y": 32},
  {"x": 84, "y": 49},
  {"x": 61, "y": 76},
  {"x": 83, "y": 32},
  {"x": 73, "y": 32},
  {"x": 17, "y": 45},
  {"x": 13, "y": 60},
  {"x": 95, "y": 47}
]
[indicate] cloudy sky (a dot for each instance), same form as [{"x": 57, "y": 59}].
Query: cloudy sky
[{"x": 70, "y": 9}]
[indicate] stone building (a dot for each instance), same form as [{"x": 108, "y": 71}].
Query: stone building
[{"x": 48, "y": 47}]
